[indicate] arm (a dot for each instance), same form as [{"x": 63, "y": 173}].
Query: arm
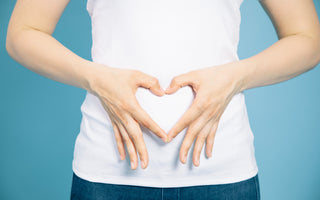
[
  {"x": 30, "y": 42},
  {"x": 297, "y": 51},
  {"x": 298, "y": 48}
]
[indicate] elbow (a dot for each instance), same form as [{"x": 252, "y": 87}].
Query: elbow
[
  {"x": 315, "y": 49},
  {"x": 14, "y": 39},
  {"x": 315, "y": 43},
  {"x": 311, "y": 41},
  {"x": 9, "y": 45},
  {"x": 13, "y": 44},
  {"x": 317, "y": 53}
]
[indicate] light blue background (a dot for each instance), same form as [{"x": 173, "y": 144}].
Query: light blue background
[{"x": 40, "y": 118}]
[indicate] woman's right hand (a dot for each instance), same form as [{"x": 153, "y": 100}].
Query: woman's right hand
[{"x": 116, "y": 88}]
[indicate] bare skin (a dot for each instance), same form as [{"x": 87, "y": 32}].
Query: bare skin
[
  {"x": 30, "y": 42},
  {"x": 297, "y": 51}
]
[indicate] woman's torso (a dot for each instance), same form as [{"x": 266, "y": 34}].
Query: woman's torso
[{"x": 164, "y": 38}]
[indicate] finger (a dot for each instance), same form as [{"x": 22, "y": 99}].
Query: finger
[
  {"x": 180, "y": 81},
  {"x": 119, "y": 140},
  {"x": 149, "y": 82},
  {"x": 130, "y": 146},
  {"x": 210, "y": 139},
  {"x": 192, "y": 132},
  {"x": 126, "y": 138},
  {"x": 194, "y": 111},
  {"x": 201, "y": 138},
  {"x": 135, "y": 133},
  {"x": 144, "y": 119}
]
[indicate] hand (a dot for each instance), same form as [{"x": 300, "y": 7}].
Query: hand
[
  {"x": 116, "y": 90},
  {"x": 214, "y": 87}
]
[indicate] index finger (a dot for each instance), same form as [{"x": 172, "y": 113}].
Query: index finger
[
  {"x": 189, "y": 116},
  {"x": 144, "y": 119}
]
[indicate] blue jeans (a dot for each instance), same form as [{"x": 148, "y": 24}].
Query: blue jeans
[{"x": 86, "y": 190}]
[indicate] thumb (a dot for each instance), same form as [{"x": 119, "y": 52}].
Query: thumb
[
  {"x": 177, "y": 82},
  {"x": 151, "y": 83}
]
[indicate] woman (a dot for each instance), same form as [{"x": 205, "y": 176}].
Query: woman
[{"x": 165, "y": 46}]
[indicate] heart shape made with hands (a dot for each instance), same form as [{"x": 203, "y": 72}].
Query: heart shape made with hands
[{"x": 165, "y": 110}]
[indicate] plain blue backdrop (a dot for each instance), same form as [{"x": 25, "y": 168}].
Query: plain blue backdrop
[{"x": 40, "y": 118}]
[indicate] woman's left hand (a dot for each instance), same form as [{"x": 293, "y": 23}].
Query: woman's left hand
[{"x": 214, "y": 87}]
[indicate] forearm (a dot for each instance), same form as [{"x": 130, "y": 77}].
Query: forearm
[
  {"x": 44, "y": 55},
  {"x": 285, "y": 59}
]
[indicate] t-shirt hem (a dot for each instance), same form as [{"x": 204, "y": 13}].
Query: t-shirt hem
[{"x": 150, "y": 182}]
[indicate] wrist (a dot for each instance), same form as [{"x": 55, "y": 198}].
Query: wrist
[
  {"x": 91, "y": 76},
  {"x": 242, "y": 71},
  {"x": 88, "y": 74},
  {"x": 85, "y": 74}
]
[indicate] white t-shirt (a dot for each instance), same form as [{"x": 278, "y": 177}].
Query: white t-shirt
[{"x": 164, "y": 38}]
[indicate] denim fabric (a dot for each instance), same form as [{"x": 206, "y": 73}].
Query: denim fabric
[{"x": 86, "y": 190}]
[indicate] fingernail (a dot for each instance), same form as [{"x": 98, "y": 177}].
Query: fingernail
[
  {"x": 197, "y": 162},
  {"x": 168, "y": 139},
  {"x": 162, "y": 91},
  {"x": 184, "y": 159},
  {"x": 164, "y": 138},
  {"x": 143, "y": 164},
  {"x": 132, "y": 165}
]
